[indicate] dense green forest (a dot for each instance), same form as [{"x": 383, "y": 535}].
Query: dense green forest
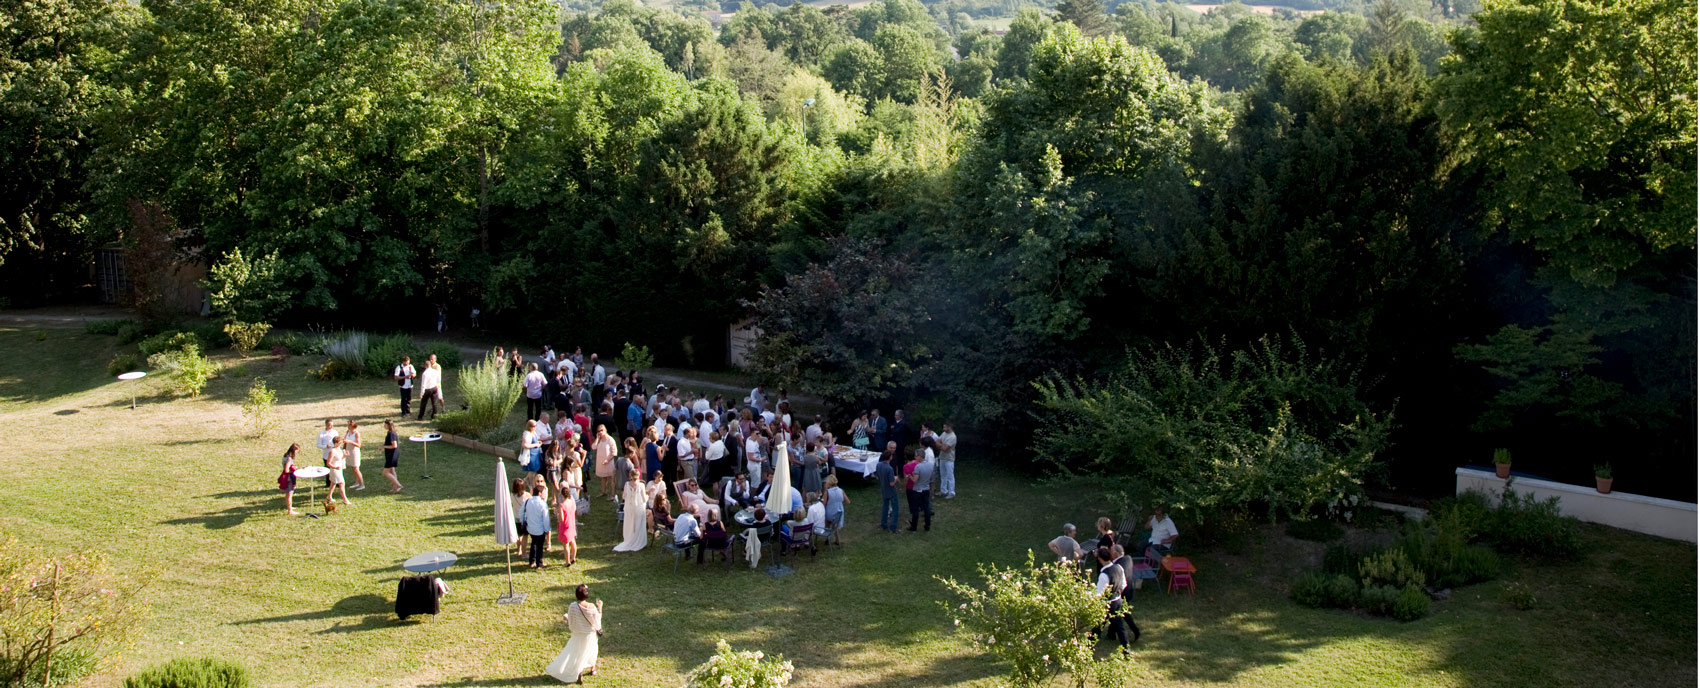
[{"x": 1488, "y": 213}]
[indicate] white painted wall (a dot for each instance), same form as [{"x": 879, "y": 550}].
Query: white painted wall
[{"x": 1662, "y": 517}]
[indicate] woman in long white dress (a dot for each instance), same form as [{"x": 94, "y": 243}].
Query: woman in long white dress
[
  {"x": 635, "y": 528},
  {"x": 578, "y": 658}
]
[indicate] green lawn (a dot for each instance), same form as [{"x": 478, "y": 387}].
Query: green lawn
[{"x": 174, "y": 494}]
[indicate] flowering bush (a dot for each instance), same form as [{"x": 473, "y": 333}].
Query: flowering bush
[
  {"x": 1037, "y": 619},
  {"x": 730, "y": 668}
]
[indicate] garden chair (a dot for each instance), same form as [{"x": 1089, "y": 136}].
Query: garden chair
[
  {"x": 802, "y": 535},
  {"x": 724, "y": 549},
  {"x": 673, "y": 548}
]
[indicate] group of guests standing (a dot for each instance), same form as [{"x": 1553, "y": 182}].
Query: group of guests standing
[{"x": 340, "y": 451}]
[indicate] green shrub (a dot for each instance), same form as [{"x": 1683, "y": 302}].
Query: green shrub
[
  {"x": 1391, "y": 568},
  {"x": 1474, "y": 564},
  {"x": 203, "y": 672},
  {"x": 130, "y": 332},
  {"x": 1379, "y": 599},
  {"x": 386, "y": 352},
  {"x": 106, "y": 327},
  {"x": 189, "y": 370},
  {"x": 634, "y": 358},
  {"x": 1342, "y": 591},
  {"x": 350, "y": 351},
  {"x": 69, "y": 613},
  {"x": 122, "y": 363},
  {"x": 1518, "y": 596},
  {"x": 168, "y": 341},
  {"x": 1316, "y": 530},
  {"x": 211, "y": 335},
  {"x": 733, "y": 668},
  {"x": 490, "y": 395},
  {"x": 1341, "y": 559},
  {"x": 257, "y": 408},
  {"x": 1411, "y": 605},
  {"x": 296, "y": 343},
  {"x": 1037, "y": 619},
  {"x": 448, "y": 355},
  {"x": 1311, "y": 590},
  {"x": 1525, "y": 525},
  {"x": 1471, "y": 512},
  {"x": 245, "y": 337},
  {"x": 333, "y": 369}
]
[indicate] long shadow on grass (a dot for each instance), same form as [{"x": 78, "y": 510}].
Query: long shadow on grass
[
  {"x": 470, "y": 682},
  {"x": 232, "y": 516},
  {"x": 356, "y": 605}
]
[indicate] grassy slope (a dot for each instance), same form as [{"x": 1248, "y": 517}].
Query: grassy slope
[{"x": 174, "y": 494}]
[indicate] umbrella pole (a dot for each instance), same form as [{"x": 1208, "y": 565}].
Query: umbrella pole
[{"x": 511, "y": 597}]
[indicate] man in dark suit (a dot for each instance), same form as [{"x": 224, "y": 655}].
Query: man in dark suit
[{"x": 900, "y": 432}]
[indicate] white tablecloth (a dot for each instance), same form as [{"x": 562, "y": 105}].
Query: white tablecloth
[{"x": 856, "y": 460}]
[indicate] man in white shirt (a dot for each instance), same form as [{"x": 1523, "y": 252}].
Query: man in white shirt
[
  {"x": 705, "y": 429},
  {"x": 701, "y": 405},
  {"x": 404, "y": 375},
  {"x": 947, "y": 462},
  {"x": 548, "y": 357},
  {"x": 686, "y": 532},
  {"x": 758, "y": 400},
  {"x": 533, "y": 383},
  {"x": 1112, "y": 583},
  {"x": 430, "y": 388},
  {"x": 1163, "y": 534},
  {"x": 597, "y": 374},
  {"x": 326, "y": 438},
  {"x": 688, "y": 453}
]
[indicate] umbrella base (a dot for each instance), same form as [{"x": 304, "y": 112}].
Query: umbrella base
[{"x": 511, "y": 598}]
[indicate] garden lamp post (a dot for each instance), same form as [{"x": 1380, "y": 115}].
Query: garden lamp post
[{"x": 806, "y": 105}]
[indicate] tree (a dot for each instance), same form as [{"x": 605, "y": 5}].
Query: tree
[
  {"x": 855, "y": 67},
  {"x": 54, "y": 56},
  {"x": 1025, "y": 31},
  {"x": 905, "y": 57},
  {"x": 847, "y": 329},
  {"x": 1086, "y": 15},
  {"x": 1583, "y": 113},
  {"x": 244, "y": 290}
]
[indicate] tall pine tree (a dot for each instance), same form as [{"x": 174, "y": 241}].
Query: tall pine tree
[{"x": 1086, "y": 14}]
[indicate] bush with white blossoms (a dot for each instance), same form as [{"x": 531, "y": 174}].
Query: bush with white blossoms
[
  {"x": 730, "y": 668},
  {"x": 1038, "y": 619}
]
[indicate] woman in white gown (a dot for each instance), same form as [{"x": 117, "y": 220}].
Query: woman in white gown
[
  {"x": 578, "y": 658},
  {"x": 635, "y": 529}
]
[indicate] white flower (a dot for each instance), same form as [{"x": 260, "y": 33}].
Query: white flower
[
  {"x": 725, "y": 680},
  {"x": 758, "y": 654},
  {"x": 959, "y": 622},
  {"x": 962, "y": 606}
]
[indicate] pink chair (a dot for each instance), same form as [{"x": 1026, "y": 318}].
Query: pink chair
[{"x": 1182, "y": 580}]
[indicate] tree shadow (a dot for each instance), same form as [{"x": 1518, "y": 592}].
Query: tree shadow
[
  {"x": 229, "y": 517},
  {"x": 471, "y": 682},
  {"x": 354, "y": 605}
]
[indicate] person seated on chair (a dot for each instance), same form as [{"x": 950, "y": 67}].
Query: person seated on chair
[
  {"x": 1066, "y": 547},
  {"x": 797, "y": 503},
  {"x": 660, "y": 513},
  {"x": 693, "y": 495},
  {"x": 797, "y": 517},
  {"x": 736, "y": 494},
  {"x": 816, "y": 512},
  {"x": 714, "y": 534},
  {"x": 686, "y": 532},
  {"x": 760, "y": 491},
  {"x": 1163, "y": 534}
]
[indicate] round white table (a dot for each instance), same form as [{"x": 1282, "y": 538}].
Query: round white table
[
  {"x": 311, "y": 473},
  {"x": 134, "y": 375},
  {"x": 425, "y": 439},
  {"x": 429, "y": 562}
]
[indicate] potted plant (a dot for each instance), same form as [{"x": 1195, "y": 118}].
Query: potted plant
[
  {"x": 1602, "y": 477},
  {"x": 1502, "y": 462}
]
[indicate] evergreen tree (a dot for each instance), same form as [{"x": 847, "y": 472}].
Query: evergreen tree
[{"x": 1088, "y": 15}]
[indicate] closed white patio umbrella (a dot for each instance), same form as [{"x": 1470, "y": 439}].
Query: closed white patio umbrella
[
  {"x": 779, "y": 496},
  {"x": 506, "y": 533}
]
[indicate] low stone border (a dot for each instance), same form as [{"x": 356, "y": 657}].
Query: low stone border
[{"x": 480, "y": 447}]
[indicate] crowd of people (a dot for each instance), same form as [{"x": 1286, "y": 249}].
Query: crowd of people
[
  {"x": 593, "y": 434},
  {"x": 1118, "y": 573}
]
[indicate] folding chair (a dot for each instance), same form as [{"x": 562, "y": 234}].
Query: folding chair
[{"x": 802, "y": 535}]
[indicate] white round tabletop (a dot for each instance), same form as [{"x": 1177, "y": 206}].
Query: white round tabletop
[
  {"x": 426, "y": 437},
  {"x": 136, "y": 375},
  {"x": 312, "y": 472},
  {"x": 429, "y": 561}
]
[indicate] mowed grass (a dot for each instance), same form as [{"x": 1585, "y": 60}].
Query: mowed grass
[{"x": 177, "y": 495}]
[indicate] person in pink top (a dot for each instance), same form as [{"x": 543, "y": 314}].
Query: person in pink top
[{"x": 567, "y": 532}]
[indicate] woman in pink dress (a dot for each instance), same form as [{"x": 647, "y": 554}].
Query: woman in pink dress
[{"x": 567, "y": 533}]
